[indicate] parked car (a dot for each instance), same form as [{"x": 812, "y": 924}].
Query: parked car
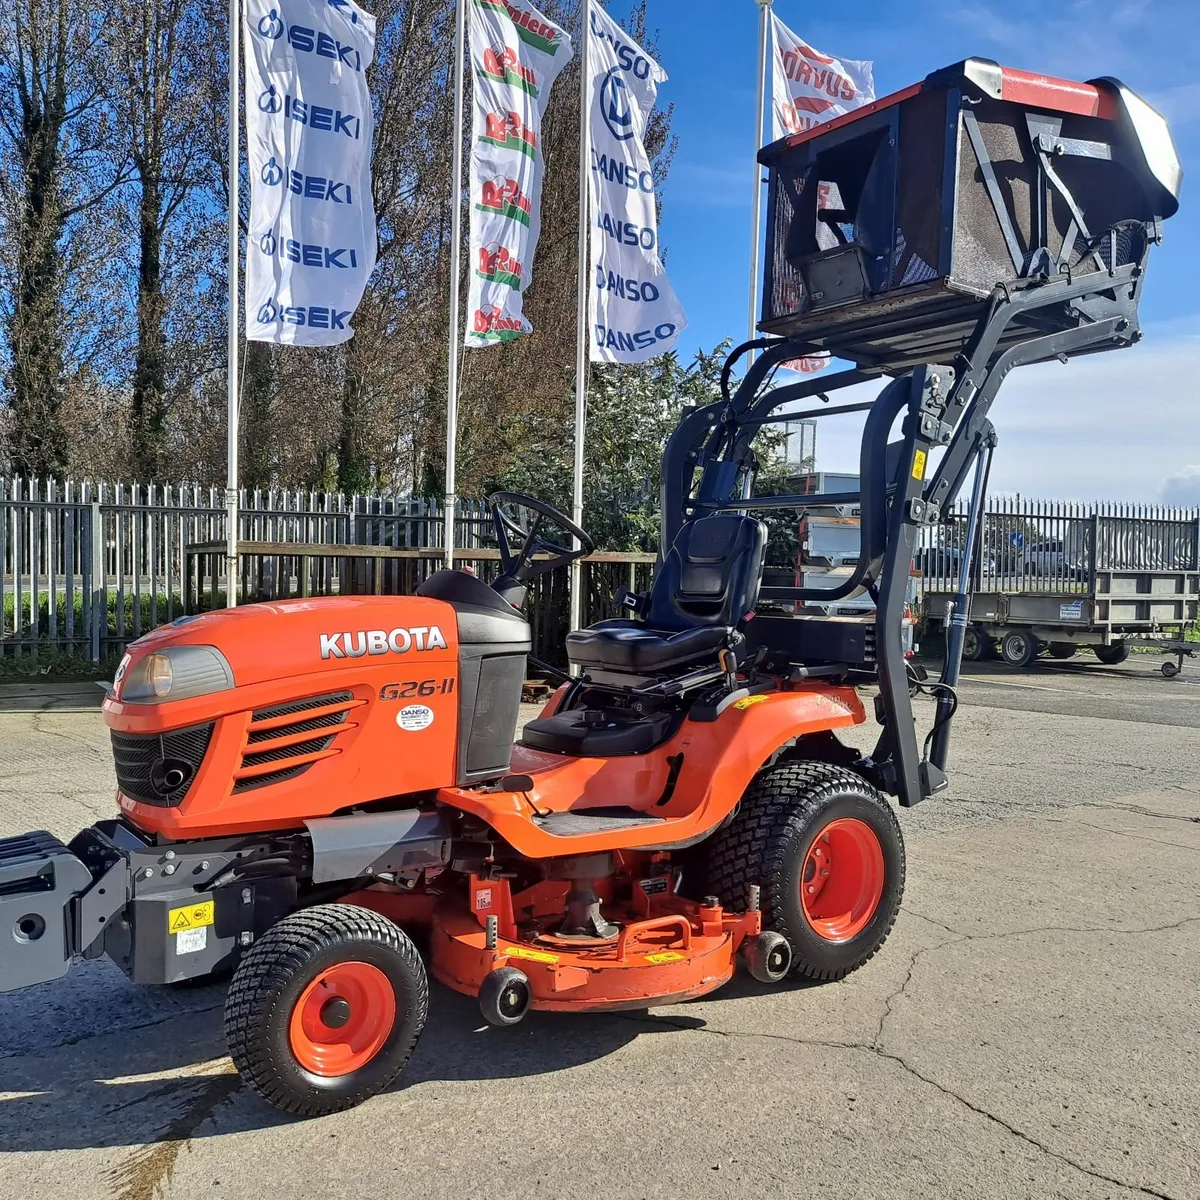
[{"x": 1053, "y": 559}]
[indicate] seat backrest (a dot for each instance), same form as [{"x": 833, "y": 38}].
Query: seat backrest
[{"x": 710, "y": 576}]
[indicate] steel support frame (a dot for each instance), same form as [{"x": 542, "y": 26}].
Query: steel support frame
[{"x": 943, "y": 406}]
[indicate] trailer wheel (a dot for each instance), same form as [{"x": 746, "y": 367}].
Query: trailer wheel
[
  {"x": 325, "y": 1010},
  {"x": 1170, "y": 669},
  {"x": 826, "y": 850},
  {"x": 1019, "y": 648},
  {"x": 1114, "y": 655},
  {"x": 977, "y": 646},
  {"x": 1062, "y": 650}
]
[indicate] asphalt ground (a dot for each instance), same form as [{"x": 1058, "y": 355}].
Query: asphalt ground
[{"x": 1029, "y": 1029}]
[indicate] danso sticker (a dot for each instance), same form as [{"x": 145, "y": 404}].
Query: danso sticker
[{"x": 414, "y": 718}]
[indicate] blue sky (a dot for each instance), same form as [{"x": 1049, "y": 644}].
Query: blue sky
[{"x": 1120, "y": 426}]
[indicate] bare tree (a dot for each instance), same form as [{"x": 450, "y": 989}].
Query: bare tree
[
  {"x": 154, "y": 47},
  {"x": 53, "y": 123}
]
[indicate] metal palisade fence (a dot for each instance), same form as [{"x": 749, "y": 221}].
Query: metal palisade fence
[
  {"x": 1029, "y": 545},
  {"x": 86, "y": 568}
]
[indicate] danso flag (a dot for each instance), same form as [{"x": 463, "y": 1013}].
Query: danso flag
[
  {"x": 516, "y": 55},
  {"x": 811, "y": 87},
  {"x": 635, "y": 312},
  {"x": 312, "y": 242}
]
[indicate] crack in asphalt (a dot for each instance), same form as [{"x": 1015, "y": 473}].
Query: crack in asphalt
[
  {"x": 1148, "y": 812},
  {"x": 877, "y": 1051},
  {"x": 38, "y": 726},
  {"x": 1126, "y": 833}
]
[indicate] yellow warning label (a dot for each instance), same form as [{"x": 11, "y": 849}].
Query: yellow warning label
[
  {"x": 919, "y": 464},
  {"x": 749, "y": 702},
  {"x": 194, "y": 916},
  {"x": 664, "y": 956},
  {"x": 532, "y": 955}
]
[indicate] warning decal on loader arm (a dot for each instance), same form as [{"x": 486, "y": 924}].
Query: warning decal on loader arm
[{"x": 193, "y": 916}]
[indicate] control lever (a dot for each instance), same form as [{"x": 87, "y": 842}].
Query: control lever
[{"x": 728, "y": 661}]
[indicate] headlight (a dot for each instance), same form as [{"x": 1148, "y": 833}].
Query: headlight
[{"x": 177, "y": 673}]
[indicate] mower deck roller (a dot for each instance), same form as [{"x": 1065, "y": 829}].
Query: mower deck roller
[{"x": 310, "y": 789}]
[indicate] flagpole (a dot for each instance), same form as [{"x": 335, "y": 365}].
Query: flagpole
[
  {"x": 456, "y": 240},
  {"x": 764, "y": 15},
  {"x": 231, "y": 474},
  {"x": 583, "y": 321}
]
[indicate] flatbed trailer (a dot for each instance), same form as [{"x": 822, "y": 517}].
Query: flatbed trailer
[{"x": 1054, "y": 578}]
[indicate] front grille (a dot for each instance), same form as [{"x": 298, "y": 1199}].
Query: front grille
[
  {"x": 148, "y": 765},
  {"x": 324, "y": 729}
]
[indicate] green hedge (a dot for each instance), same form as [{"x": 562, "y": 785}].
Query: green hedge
[{"x": 43, "y": 616}]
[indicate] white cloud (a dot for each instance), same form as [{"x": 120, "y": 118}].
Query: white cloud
[
  {"x": 1180, "y": 105},
  {"x": 1117, "y": 426},
  {"x": 1183, "y": 489}
]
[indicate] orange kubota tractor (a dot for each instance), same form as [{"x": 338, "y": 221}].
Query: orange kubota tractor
[{"x": 305, "y": 784}]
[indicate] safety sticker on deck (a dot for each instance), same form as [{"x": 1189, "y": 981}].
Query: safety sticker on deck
[
  {"x": 193, "y": 916},
  {"x": 749, "y": 702},
  {"x": 532, "y": 955},
  {"x": 191, "y": 941},
  {"x": 664, "y": 956}
]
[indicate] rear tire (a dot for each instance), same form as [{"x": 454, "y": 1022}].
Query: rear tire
[
  {"x": 1114, "y": 655},
  {"x": 977, "y": 646},
  {"x": 1062, "y": 650},
  {"x": 1019, "y": 648},
  {"x": 325, "y": 1011},
  {"x": 792, "y": 819}
]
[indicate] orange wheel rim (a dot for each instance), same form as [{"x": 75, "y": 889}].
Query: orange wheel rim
[
  {"x": 842, "y": 881},
  {"x": 342, "y": 1019}
]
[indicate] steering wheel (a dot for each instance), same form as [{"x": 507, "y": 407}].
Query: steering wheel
[{"x": 523, "y": 565}]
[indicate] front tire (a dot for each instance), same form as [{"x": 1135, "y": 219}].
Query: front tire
[
  {"x": 826, "y": 850},
  {"x": 325, "y": 1011}
]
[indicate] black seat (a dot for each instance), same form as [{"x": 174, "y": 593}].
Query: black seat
[{"x": 707, "y": 584}]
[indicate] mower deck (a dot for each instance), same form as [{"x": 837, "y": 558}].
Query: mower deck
[{"x": 683, "y": 951}]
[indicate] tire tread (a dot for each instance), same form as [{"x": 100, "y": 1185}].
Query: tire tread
[
  {"x": 253, "y": 1001},
  {"x": 777, "y": 808}
]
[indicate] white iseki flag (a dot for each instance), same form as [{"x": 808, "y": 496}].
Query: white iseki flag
[
  {"x": 635, "y": 312},
  {"x": 516, "y": 55},
  {"x": 810, "y": 87},
  {"x": 312, "y": 241}
]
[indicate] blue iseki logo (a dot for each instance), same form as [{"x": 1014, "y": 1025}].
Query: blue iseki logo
[
  {"x": 271, "y": 26},
  {"x": 313, "y": 316},
  {"x": 308, "y": 187}
]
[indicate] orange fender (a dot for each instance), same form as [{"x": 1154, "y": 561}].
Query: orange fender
[{"x": 719, "y": 759}]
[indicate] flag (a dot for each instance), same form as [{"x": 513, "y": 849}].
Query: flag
[
  {"x": 811, "y": 87},
  {"x": 312, "y": 243},
  {"x": 635, "y": 312},
  {"x": 516, "y": 55}
]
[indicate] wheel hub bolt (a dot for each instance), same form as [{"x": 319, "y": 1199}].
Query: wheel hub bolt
[{"x": 335, "y": 1013}]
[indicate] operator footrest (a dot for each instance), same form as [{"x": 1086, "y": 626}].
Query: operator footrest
[
  {"x": 39, "y": 877},
  {"x": 596, "y": 820}
]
